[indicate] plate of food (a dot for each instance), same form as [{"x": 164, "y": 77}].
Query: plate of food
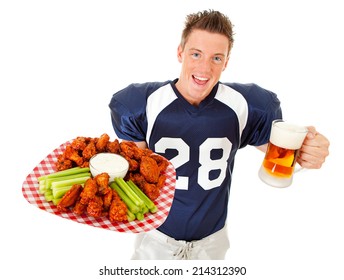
[{"x": 148, "y": 172}]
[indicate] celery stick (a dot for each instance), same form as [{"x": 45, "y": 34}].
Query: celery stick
[
  {"x": 147, "y": 201},
  {"x": 69, "y": 171},
  {"x": 42, "y": 187},
  {"x": 72, "y": 176},
  {"x": 60, "y": 192},
  {"x": 56, "y": 200},
  {"x": 139, "y": 216},
  {"x": 131, "y": 217},
  {"x": 59, "y": 184},
  {"x": 48, "y": 195},
  {"x": 131, "y": 205},
  {"x": 49, "y": 181},
  {"x": 145, "y": 209},
  {"x": 129, "y": 192},
  {"x": 154, "y": 209}
]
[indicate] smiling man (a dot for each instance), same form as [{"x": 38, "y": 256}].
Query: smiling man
[
  {"x": 199, "y": 123},
  {"x": 202, "y": 64}
]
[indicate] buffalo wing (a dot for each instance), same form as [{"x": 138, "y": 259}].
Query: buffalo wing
[{"x": 69, "y": 198}]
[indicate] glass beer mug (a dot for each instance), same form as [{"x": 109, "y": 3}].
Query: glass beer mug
[{"x": 279, "y": 162}]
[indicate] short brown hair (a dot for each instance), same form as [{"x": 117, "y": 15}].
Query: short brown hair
[{"x": 211, "y": 21}]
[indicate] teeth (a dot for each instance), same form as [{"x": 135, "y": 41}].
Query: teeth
[{"x": 201, "y": 78}]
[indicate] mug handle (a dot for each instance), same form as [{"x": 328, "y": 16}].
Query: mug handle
[{"x": 299, "y": 169}]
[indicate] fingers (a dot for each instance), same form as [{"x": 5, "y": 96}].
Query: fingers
[
  {"x": 311, "y": 132},
  {"x": 310, "y": 161},
  {"x": 314, "y": 150}
]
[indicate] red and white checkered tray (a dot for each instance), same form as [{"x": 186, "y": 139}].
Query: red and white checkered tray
[{"x": 31, "y": 193}]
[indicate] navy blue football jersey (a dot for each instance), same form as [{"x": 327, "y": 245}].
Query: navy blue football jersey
[{"x": 201, "y": 143}]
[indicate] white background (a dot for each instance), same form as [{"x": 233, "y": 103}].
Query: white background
[{"x": 60, "y": 63}]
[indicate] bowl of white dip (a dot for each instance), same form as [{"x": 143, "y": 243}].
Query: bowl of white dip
[{"x": 113, "y": 164}]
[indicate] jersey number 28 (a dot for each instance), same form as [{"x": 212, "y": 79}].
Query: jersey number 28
[{"x": 207, "y": 164}]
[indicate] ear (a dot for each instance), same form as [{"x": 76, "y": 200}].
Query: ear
[{"x": 180, "y": 54}]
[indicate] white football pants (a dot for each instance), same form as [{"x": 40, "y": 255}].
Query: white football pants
[{"x": 155, "y": 245}]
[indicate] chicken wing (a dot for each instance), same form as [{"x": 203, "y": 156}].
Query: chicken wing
[
  {"x": 162, "y": 162},
  {"x": 113, "y": 147},
  {"x": 95, "y": 207},
  {"x": 130, "y": 149},
  {"x": 102, "y": 142},
  {"x": 79, "y": 143},
  {"x": 133, "y": 164},
  {"x": 69, "y": 198},
  {"x": 161, "y": 181},
  {"x": 79, "y": 208},
  {"x": 137, "y": 178},
  {"x": 107, "y": 199},
  {"x": 118, "y": 209},
  {"x": 151, "y": 190},
  {"x": 89, "y": 191},
  {"x": 149, "y": 169},
  {"x": 73, "y": 155},
  {"x": 89, "y": 151},
  {"x": 102, "y": 181},
  {"x": 62, "y": 163}
]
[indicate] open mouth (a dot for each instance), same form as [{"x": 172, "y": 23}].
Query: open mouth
[{"x": 200, "y": 80}]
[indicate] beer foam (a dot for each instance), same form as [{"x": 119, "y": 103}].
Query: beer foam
[{"x": 288, "y": 136}]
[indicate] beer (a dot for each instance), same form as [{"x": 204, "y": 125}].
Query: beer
[{"x": 279, "y": 162}]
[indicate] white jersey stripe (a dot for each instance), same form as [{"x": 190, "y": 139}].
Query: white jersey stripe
[
  {"x": 235, "y": 101},
  {"x": 156, "y": 103}
]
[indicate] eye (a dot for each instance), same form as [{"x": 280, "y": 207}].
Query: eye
[
  {"x": 195, "y": 55},
  {"x": 217, "y": 59}
]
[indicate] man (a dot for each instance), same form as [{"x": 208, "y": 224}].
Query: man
[{"x": 199, "y": 123}]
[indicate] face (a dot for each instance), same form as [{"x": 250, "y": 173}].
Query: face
[{"x": 204, "y": 57}]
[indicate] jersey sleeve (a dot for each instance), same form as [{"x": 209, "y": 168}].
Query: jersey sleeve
[
  {"x": 128, "y": 110},
  {"x": 263, "y": 108},
  {"x": 128, "y": 116}
]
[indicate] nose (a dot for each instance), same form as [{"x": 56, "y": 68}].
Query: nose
[{"x": 204, "y": 65}]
